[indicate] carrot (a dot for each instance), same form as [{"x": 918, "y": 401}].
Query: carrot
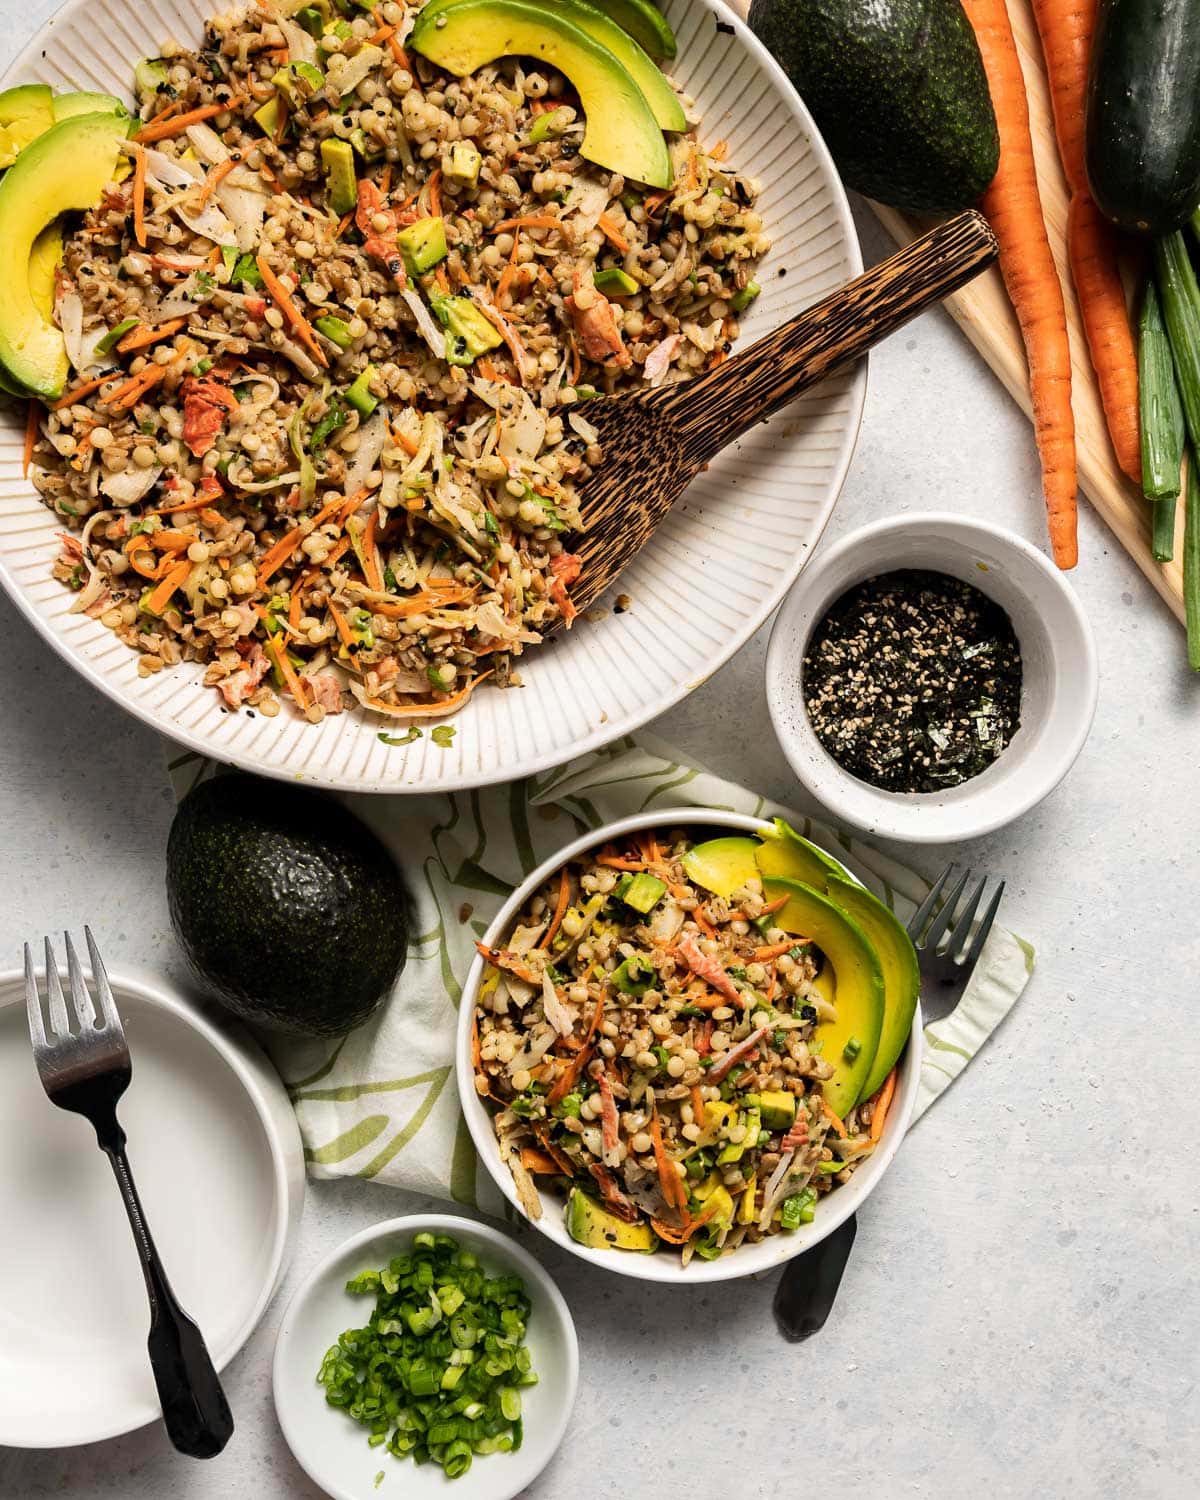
[
  {"x": 384, "y": 34},
  {"x": 509, "y": 274},
  {"x": 1065, "y": 27},
  {"x": 416, "y": 710},
  {"x": 834, "y": 1119},
  {"x": 142, "y": 337},
  {"x": 534, "y": 1160},
  {"x": 32, "y": 420},
  {"x": 139, "y": 196},
  {"x": 343, "y": 627},
  {"x": 509, "y": 334},
  {"x": 214, "y": 179},
  {"x": 161, "y": 127},
  {"x": 370, "y": 562},
  {"x": 435, "y": 192},
  {"x": 673, "y": 1189},
  {"x": 78, "y": 392},
  {"x": 648, "y": 844},
  {"x": 555, "y": 1153},
  {"x": 1091, "y": 246},
  {"x": 280, "y": 657},
  {"x": 352, "y": 505},
  {"x": 174, "y": 576},
  {"x": 615, "y": 862},
  {"x": 282, "y": 299},
  {"x": 535, "y": 221},
  {"x": 883, "y": 1102},
  {"x": 275, "y": 556},
  {"x": 402, "y": 440},
  {"x": 697, "y": 1106},
  {"x": 774, "y": 950},
  {"x": 135, "y": 388},
  {"x": 136, "y": 544},
  {"x": 396, "y": 47},
  {"x": 702, "y": 922},
  {"x": 1014, "y": 210},
  {"x": 560, "y": 909},
  {"x": 294, "y": 610},
  {"x": 719, "y": 152},
  {"x": 417, "y": 604},
  {"x": 612, "y": 234},
  {"x": 198, "y": 502},
  {"x": 567, "y": 1078},
  {"x": 170, "y": 540}
]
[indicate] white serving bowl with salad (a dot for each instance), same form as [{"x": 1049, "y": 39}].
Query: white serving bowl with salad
[{"x": 661, "y": 1132}]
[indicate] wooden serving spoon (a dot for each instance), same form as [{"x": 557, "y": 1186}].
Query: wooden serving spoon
[{"x": 656, "y": 441}]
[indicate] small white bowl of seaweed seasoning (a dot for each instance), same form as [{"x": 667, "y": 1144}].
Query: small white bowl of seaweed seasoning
[{"x": 931, "y": 678}]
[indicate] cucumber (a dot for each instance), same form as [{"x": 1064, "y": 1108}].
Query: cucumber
[{"x": 1143, "y": 126}]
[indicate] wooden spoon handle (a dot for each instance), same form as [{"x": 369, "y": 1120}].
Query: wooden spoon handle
[{"x": 710, "y": 412}]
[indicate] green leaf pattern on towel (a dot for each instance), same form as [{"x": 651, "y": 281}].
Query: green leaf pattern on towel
[{"x": 381, "y": 1103}]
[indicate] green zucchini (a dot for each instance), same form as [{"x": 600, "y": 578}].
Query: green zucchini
[{"x": 1143, "y": 125}]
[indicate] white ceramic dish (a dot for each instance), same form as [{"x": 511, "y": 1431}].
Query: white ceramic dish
[
  {"x": 332, "y": 1449},
  {"x": 747, "y": 1260},
  {"x": 216, "y": 1155},
  {"x": 710, "y": 577},
  {"x": 1060, "y": 678}
]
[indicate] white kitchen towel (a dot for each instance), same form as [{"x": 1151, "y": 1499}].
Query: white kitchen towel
[{"x": 381, "y": 1102}]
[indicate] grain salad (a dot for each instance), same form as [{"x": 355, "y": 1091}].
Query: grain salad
[
  {"x": 330, "y": 448},
  {"x": 648, "y": 1049}
]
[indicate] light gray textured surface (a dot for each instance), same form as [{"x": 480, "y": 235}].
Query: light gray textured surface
[{"x": 1020, "y": 1316}]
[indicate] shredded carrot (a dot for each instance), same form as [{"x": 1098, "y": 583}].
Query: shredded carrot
[
  {"x": 615, "y": 862},
  {"x": 78, "y": 392},
  {"x": 883, "y": 1102},
  {"x": 337, "y": 554},
  {"x": 370, "y": 562},
  {"x": 509, "y": 274},
  {"x": 834, "y": 1119},
  {"x": 555, "y": 1153},
  {"x": 170, "y": 540},
  {"x": 612, "y": 234},
  {"x": 174, "y": 576},
  {"x": 343, "y": 627},
  {"x": 384, "y": 34},
  {"x": 32, "y": 420},
  {"x": 343, "y": 224},
  {"x": 772, "y": 907},
  {"x": 212, "y": 182},
  {"x": 351, "y": 506},
  {"x": 560, "y": 909},
  {"x": 426, "y": 710},
  {"x": 418, "y": 604},
  {"x": 134, "y": 389},
  {"x": 161, "y": 127},
  {"x": 697, "y": 1106},
  {"x": 535, "y": 221},
  {"x": 702, "y": 922},
  {"x": 442, "y": 281},
  {"x": 196, "y": 503},
  {"x": 515, "y": 348},
  {"x": 649, "y": 849},
  {"x": 139, "y": 196},
  {"x": 282, "y": 299},
  {"x": 275, "y": 556},
  {"x": 288, "y": 673},
  {"x": 673, "y": 1189},
  {"x": 402, "y": 440},
  {"x": 774, "y": 950},
  {"x": 1013, "y": 207},
  {"x": 538, "y": 1161},
  {"x": 212, "y": 518},
  {"x": 142, "y": 337},
  {"x": 693, "y": 174},
  {"x": 719, "y": 152},
  {"x": 397, "y": 50},
  {"x": 294, "y": 606},
  {"x": 566, "y": 1079},
  {"x": 435, "y": 192},
  {"x": 654, "y": 201},
  {"x": 136, "y": 544}
]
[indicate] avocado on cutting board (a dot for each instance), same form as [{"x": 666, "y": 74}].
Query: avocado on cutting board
[
  {"x": 898, "y": 91},
  {"x": 289, "y": 909}
]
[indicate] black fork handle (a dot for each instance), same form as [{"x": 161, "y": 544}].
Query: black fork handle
[{"x": 195, "y": 1411}]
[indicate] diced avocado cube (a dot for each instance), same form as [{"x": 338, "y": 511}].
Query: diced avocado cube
[
  {"x": 590, "y": 1224},
  {"x": 622, "y": 885},
  {"x": 550, "y": 122},
  {"x": 614, "y": 282},
  {"x": 267, "y": 116},
  {"x": 468, "y": 332},
  {"x": 634, "y": 976},
  {"x": 462, "y": 165},
  {"x": 740, "y": 301},
  {"x": 359, "y": 394},
  {"x": 337, "y": 330},
  {"x": 745, "y": 1208},
  {"x": 306, "y": 74},
  {"x": 422, "y": 245},
  {"x": 644, "y": 893},
  {"x": 115, "y": 335},
  {"x": 337, "y": 157},
  {"x": 311, "y": 20},
  {"x": 735, "y": 1150},
  {"x": 776, "y": 1106}
]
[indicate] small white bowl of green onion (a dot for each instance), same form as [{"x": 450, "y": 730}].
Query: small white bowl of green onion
[{"x": 428, "y": 1349}]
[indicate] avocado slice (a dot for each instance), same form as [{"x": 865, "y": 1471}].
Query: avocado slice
[
  {"x": 80, "y": 102},
  {"x": 901, "y": 976},
  {"x": 588, "y": 1223},
  {"x": 66, "y": 168},
  {"x": 660, "y": 96},
  {"x": 722, "y": 866},
  {"x": 644, "y": 22},
  {"x": 26, "y": 112},
  {"x": 786, "y": 855},
  {"x": 43, "y": 264},
  {"x": 622, "y": 133},
  {"x": 857, "y": 985}
]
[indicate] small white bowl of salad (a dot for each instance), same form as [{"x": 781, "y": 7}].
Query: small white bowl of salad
[{"x": 689, "y": 1046}]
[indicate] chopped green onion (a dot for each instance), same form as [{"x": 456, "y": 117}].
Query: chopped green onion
[
  {"x": 114, "y": 335},
  {"x": 1191, "y": 564},
  {"x": 568, "y": 1106},
  {"x": 740, "y": 301},
  {"x": 412, "y": 733},
  {"x": 443, "y": 736},
  {"x": 336, "y": 330},
  {"x": 852, "y": 1048},
  {"x": 1160, "y": 409}
]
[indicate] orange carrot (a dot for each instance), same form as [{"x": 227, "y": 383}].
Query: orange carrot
[
  {"x": 673, "y": 1189},
  {"x": 294, "y": 606},
  {"x": 834, "y": 1119},
  {"x": 719, "y": 152},
  {"x": 214, "y": 179},
  {"x": 615, "y": 862},
  {"x": 567, "y": 1078},
  {"x": 612, "y": 234},
  {"x": 1014, "y": 210},
  {"x": 535, "y": 221},
  {"x": 697, "y": 1106},
  {"x": 883, "y": 1102},
  {"x": 136, "y": 544},
  {"x": 343, "y": 627},
  {"x": 282, "y": 299},
  {"x": 370, "y": 562},
  {"x": 173, "y": 577},
  {"x": 534, "y": 1160},
  {"x": 1091, "y": 246},
  {"x": 560, "y": 909},
  {"x": 280, "y": 657},
  {"x": 702, "y": 922},
  {"x": 161, "y": 127},
  {"x": 384, "y": 34},
  {"x": 435, "y": 192},
  {"x": 396, "y": 47},
  {"x": 1065, "y": 27},
  {"x": 78, "y": 392},
  {"x": 139, "y": 196},
  {"x": 427, "y": 710},
  {"x": 275, "y": 556},
  {"x": 142, "y": 337},
  {"x": 774, "y": 950},
  {"x": 32, "y": 419},
  {"x": 136, "y": 387}
]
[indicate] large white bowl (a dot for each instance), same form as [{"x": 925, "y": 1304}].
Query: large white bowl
[
  {"x": 333, "y": 1450},
  {"x": 707, "y": 581},
  {"x": 216, "y": 1155},
  {"x": 833, "y": 1209},
  {"x": 1059, "y": 682}
]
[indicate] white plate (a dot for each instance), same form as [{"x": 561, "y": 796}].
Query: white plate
[
  {"x": 216, "y": 1155},
  {"x": 707, "y": 581},
  {"x": 747, "y": 1260},
  {"x": 332, "y": 1449}
]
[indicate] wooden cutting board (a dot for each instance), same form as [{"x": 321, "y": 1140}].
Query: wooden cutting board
[{"x": 982, "y": 310}]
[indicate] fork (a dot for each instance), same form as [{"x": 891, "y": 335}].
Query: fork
[
  {"x": 805, "y": 1295},
  {"x": 84, "y": 1065}
]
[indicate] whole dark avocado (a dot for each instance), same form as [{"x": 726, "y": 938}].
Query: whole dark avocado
[
  {"x": 290, "y": 910},
  {"x": 897, "y": 89}
]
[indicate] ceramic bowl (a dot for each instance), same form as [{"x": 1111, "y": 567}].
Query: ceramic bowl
[
  {"x": 333, "y": 1449},
  {"x": 216, "y": 1155},
  {"x": 1059, "y": 686},
  {"x": 664, "y": 1265}
]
